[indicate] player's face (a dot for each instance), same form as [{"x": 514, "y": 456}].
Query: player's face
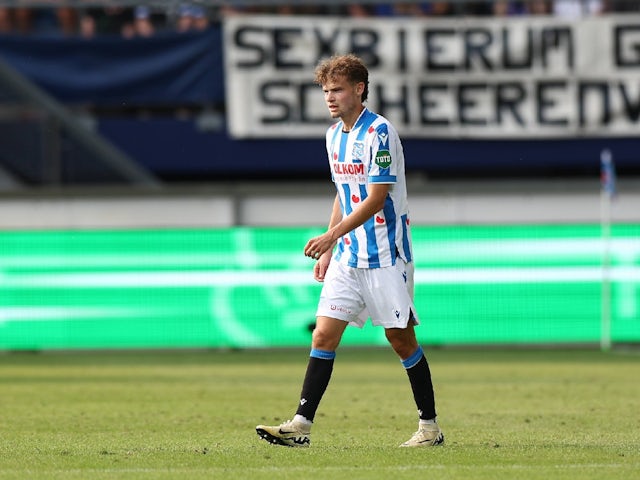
[{"x": 343, "y": 98}]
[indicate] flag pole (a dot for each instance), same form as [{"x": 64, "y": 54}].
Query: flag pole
[{"x": 607, "y": 191}]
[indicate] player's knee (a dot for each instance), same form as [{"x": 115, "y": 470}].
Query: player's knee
[
  {"x": 403, "y": 350},
  {"x": 324, "y": 340},
  {"x": 403, "y": 343}
]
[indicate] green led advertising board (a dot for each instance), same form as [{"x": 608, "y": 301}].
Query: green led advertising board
[{"x": 253, "y": 287}]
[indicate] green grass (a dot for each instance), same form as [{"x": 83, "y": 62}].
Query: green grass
[{"x": 507, "y": 414}]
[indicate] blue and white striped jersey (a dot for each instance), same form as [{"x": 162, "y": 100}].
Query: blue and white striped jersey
[{"x": 370, "y": 153}]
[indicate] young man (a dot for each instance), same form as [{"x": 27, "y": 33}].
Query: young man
[{"x": 371, "y": 272}]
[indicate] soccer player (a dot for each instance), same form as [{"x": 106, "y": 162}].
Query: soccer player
[{"x": 364, "y": 258}]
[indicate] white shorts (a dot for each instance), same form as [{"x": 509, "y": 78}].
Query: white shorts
[{"x": 355, "y": 294}]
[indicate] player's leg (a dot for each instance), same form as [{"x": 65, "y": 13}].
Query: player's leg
[
  {"x": 404, "y": 343},
  {"x": 340, "y": 297},
  {"x": 296, "y": 432},
  {"x": 326, "y": 338},
  {"x": 340, "y": 303}
]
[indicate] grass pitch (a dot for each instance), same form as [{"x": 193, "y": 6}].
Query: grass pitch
[{"x": 506, "y": 414}]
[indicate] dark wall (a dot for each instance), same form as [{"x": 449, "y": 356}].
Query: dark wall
[{"x": 177, "y": 149}]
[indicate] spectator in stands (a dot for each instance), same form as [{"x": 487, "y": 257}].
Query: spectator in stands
[
  {"x": 576, "y": 8},
  {"x": 67, "y": 20},
  {"x": 86, "y": 26},
  {"x": 200, "y": 19},
  {"x": 106, "y": 21},
  {"x": 402, "y": 9},
  {"x": 440, "y": 9},
  {"x": 505, "y": 8},
  {"x": 22, "y": 20},
  {"x": 191, "y": 17},
  {"x": 5, "y": 20},
  {"x": 142, "y": 26},
  {"x": 501, "y": 8},
  {"x": 539, "y": 7},
  {"x": 359, "y": 10}
]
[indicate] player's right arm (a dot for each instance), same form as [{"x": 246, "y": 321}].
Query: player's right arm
[{"x": 321, "y": 266}]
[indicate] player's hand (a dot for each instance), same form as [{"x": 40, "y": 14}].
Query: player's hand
[
  {"x": 321, "y": 266},
  {"x": 317, "y": 246}
]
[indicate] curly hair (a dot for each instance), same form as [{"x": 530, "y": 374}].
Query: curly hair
[{"x": 349, "y": 66}]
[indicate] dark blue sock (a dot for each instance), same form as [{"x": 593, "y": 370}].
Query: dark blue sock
[
  {"x": 315, "y": 383},
  {"x": 421, "y": 385}
]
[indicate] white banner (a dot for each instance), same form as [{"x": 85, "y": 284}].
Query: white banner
[{"x": 463, "y": 77}]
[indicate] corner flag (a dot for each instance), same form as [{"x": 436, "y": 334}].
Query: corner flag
[
  {"x": 607, "y": 173},
  {"x": 607, "y": 193}
]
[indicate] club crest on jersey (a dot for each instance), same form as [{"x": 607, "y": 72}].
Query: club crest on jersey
[
  {"x": 358, "y": 150},
  {"x": 383, "y": 158}
]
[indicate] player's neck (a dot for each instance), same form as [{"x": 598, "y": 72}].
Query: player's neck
[{"x": 349, "y": 121}]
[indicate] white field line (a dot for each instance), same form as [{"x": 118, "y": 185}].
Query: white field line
[{"x": 297, "y": 278}]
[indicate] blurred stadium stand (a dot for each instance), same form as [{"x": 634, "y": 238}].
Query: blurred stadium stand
[{"x": 104, "y": 110}]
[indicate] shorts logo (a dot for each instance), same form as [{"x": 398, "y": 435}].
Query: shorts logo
[
  {"x": 340, "y": 309},
  {"x": 383, "y": 158}
]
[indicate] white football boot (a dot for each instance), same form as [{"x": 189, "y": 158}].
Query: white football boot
[{"x": 289, "y": 434}]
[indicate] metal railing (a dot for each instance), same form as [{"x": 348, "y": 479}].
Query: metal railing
[{"x": 43, "y": 144}]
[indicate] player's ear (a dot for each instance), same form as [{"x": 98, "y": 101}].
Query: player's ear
[{"x": 360, "y": 88}]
